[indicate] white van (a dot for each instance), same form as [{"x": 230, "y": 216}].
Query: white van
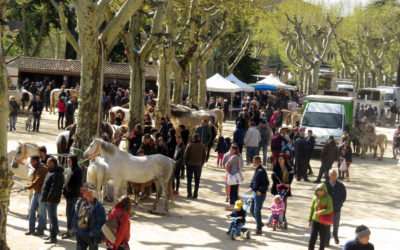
[
  {"x": 391, "y": 94},
  {"x": 375, "y": 97},
  {"x": 327, "y": 116}
]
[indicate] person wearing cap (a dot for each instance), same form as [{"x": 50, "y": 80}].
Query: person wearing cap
[
  {"x": 238, "y": 135},
  {"x": 71, "y": 191},
  {"x": 361, "y": 242},
  {"x": 14, "y": 109},
  {"x": 89, "y": 217},
  {"x": 240, "y": 214},
  {"x": 252, "y": 141},
  {"x": 51, "y": 195}
]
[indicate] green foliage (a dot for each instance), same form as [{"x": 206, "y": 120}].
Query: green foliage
[
  {"x": 323, "y": 84},
  {"x": 247, "y": 67}
]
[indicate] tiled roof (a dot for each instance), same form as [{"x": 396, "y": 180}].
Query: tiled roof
[{"x": 71, "y": 67}]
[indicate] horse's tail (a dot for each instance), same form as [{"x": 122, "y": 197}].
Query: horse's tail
[{"x": 171, "y": 179}]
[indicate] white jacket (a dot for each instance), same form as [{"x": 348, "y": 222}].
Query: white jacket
[{"x": 253, "y": 137}]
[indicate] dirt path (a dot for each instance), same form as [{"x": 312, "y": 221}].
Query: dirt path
[{"x": 373, "y": 199}]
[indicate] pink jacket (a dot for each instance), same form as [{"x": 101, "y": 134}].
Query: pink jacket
[{"x": 278, "y": 206}]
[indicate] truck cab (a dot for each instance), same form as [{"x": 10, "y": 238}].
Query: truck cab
[{"x": 327, "y": 116}]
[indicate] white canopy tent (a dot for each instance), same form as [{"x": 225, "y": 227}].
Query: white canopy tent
[
  {"x": 245, "y": 87},
  {"x": 271, "y": 80},
  {"x": 218, "y": 83}
]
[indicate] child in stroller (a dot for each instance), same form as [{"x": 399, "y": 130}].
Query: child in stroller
[{"x": 238, "y": 215}]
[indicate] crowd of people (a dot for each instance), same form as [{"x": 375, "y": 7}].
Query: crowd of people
[{"x": 259, "y": 125}]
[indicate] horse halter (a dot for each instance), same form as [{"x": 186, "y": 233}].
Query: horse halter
[
  {"x": 23, "y": 158},
  {"x": 95, "y": 153}
]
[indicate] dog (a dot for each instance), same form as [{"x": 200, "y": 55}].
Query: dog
[{"x": 28, "y": 122}]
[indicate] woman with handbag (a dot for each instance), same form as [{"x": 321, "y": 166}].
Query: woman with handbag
[
  {"x": 120, "y": 212},
  {"x": 321, "y": 216},
  {"x": 234, "y": 176},
  {"x": 345, "y": 155}
]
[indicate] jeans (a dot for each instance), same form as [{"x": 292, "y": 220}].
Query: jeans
[
  {"x": 315, "y": 229},
  {"x": 36, "y": 121},
  {"x": 106, "y": 115},
  {"x": 280, "y": 218},
  {"x": 52, "y": 213},
  {"x": 190, "y": 171},
  {"x": 336, "y": 220},
  {"x": 308, "y": 166},
  {"x": 13, "y": 121},
  {"x": 70, "y": 211},
  {"x": 61, "y": 118},
  {"x": 255, "y": 209},
  {"x": 36, "y": 203},
  {"x": 250, "y": 153},
  {"x": 264, "y": 147},
  {"x": 208, "y": 151},
  {"x": 84, "y": 242},
  {"x": 177, "y": 179},
  {"x": 233, "y": 194}
]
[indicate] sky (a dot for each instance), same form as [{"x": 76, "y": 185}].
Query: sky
[{"x": 350, "y": 3}]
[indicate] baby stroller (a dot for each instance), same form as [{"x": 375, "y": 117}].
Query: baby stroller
[
  {"x": 283, "y": 189},
  {"x": 238, "y": 228}
]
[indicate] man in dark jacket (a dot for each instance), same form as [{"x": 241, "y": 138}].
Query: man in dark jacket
[
  {"x": 328, "y": 156},
  {"x": 37, "y": 108},
  {"x": 51, "y": 195},
  {"x": 36, "y": 184},
  {"x": 46, "y": 99},
  {"x": 69, "y": 112},
  {"x": 71, "y": 191},
  {"x": 205, "y": 133},
  {"x": 337, "y": 191},
  {"x": 184, "y": 133},
  {"x": 164, "y": 129},
  {"x": 300, "y": 146},
  {"x": 178, "y": 157},
  {"x": 259, "y": 184},
  {"x": 194, "y": 158},
  {"x": 14, "y": 109},
  {"x": 89, "y": 217},
  {"x": 310, "y": 150}
]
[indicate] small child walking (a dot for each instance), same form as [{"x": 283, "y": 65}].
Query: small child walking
[
  {"x": 221, "y": 150},
  {"x": 278, "y": 207}
]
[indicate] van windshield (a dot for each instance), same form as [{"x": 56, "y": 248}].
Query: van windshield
[
  {"x": 389, "y": 96},
  {"x": 322, "y": 120}
]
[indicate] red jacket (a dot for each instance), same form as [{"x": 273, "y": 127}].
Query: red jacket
[
  {"x": 124, "y": 232},
  {"x": 61, "y": 106}
]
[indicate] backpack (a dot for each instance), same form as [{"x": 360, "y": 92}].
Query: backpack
[{"x": 110, "y": 228}]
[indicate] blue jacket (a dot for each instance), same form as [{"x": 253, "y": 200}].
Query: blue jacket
[
  {"x": 238, "y": 135},
  {"x": 260, "y": 181},
  {"x": 97, "y": 219},
  {"x": 221, "y": 146}
]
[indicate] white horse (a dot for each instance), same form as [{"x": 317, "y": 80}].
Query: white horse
[
  {"x": 19, "y": 163},
  {"x": 23, "y": 97},
  {"x": 114, "y": 111},
  {"x": 98, "y": 175},
  {"x": 124, "y": 167},
  {"x": 54, "y": 97}
]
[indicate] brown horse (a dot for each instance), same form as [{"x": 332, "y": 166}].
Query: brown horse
[{"x": 65, "y": 139}]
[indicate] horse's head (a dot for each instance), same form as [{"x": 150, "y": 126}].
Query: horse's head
[
  {"x": 93, "y": 150},
  {"x": 20, "y": 156}
]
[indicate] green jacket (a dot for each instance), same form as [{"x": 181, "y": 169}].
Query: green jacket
[{"x": 324, "y": 200}]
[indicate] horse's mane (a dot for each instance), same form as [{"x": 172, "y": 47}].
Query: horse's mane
[
  {"x": 110, "y": 148},
  {"x": 19, "y": 147}
]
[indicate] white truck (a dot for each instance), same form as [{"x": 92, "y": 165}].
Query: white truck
[{"x": 345, "y": 85}]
